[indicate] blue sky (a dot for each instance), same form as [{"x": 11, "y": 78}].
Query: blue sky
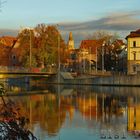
[
  {"x": 79, "y": 16},
  {"x": 17, "y": 13}
]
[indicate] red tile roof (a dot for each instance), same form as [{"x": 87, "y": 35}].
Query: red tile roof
[
  {"x": 138, "y": 31},
  {"x": 7, "y": 41},
  {"x": 91, "y": 44},
  {"x": 134, "y": 34}
]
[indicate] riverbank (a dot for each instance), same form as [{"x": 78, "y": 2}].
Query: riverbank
[{"x": 103, "y": 80}]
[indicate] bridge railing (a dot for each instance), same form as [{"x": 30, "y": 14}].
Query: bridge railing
[{"x": 15, "y": 69}]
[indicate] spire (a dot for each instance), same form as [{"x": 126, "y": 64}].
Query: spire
[
  {"x": 70, "y": 36},
  {"x": 70, "y": 42}
]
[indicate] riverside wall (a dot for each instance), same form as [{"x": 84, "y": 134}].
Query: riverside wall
[
  {"x": 118, "y": 80},
  {"x": 112, "y": 80}
]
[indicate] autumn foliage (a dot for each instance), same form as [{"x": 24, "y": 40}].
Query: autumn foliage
[{"x": 43, "y": 43}]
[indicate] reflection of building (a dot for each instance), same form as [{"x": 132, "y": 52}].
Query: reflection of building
[
  {"x": 133, "y": 116},
  {"x": 51, "y": 112},
  {"x": 133, "y": 54}
]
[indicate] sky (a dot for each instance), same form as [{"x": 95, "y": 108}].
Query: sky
[{"x": 82, "y": 17}]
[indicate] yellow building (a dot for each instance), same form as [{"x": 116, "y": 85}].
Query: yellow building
[{"x": 133, "y": 52}]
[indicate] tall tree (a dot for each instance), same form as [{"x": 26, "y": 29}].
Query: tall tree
[
  {"x": 48, "y": 40},
  {"x": 47, "y": 45},
  {"x": 26, "y": 38},
  {"x": 109, "y": 49}
]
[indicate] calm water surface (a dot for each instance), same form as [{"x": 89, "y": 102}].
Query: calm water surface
[{"x": 76, "y": 112}]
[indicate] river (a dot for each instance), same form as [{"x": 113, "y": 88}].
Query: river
[{"x": 58, "y": 112}]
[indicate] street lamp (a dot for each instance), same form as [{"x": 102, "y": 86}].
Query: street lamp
[
  {"x": 58, "y": 46},
  {"x": 96, "y": 58},
  {"x": 30, "y": 46},
  {"x": 90, "y": 60},
  {"x": 30, "y": 55},
  {"x": 103, "y": 56}
]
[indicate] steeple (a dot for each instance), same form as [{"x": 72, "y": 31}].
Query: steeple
[
  {"x": 70, "y": 36},
  {"x": 70, "y": 42}
]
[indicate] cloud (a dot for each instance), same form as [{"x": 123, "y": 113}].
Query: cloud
[
  {"x": 116, "y": 22},
  {"x": 122, "y": 23}
]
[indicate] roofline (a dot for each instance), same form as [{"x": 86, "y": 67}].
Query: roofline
[{"x": 132, "y": 37}]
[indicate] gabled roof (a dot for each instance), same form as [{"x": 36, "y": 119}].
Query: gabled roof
[
  {"x": 134, "y": 34},
  {"x": 7, "y": 41},
  {"x": 91, "y": 45}
]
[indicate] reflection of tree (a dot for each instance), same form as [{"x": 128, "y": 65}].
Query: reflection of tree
[
  {"x": 67, "y": 106},
  {"x": 111, "y": 105},
  {"x": 87, "y": 106},
  {"x": 12, "y": 123},
  {"x": 53, "y": 116},
  {"x": 46, "y": 110}
]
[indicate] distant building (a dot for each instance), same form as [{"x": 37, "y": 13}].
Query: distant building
[
  {"x": 122, "y": 60},
  {"x": 71, "y": 42},
  {"x": 6, "y": 46},
  {"x": 119, "y": 59},
  {"x": 71, "y": 54},
  {"x": 133, "y": 51},
  {"x": 7, "y": 41},
  {"x": 88, "y": 53}
]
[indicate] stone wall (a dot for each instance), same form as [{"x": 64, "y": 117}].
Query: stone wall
[
  {"x": 127, "y": 80},
  {"x": 114, "y": 80}
]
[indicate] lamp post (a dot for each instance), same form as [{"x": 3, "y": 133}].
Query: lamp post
[
  {"x": 96, "y": 58},
  {"x": 58, "y": 75},
  {"x": 58, "y": 58},
  {"x": 84, "y": 63},
  {"x": 58, "y": 47},
  {"x": 103, "y": 56},
  {"x": 30, "y": 54},
  {"x": 30, "y": 46},
  {"x": 90, "y": 60}
]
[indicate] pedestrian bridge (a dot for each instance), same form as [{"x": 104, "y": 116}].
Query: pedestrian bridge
[{"x": 26, "y": 71}]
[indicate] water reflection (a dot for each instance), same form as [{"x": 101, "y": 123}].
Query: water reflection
[
  {"x": 133, "y": 114},
  {"x": 79, "y": 112}
]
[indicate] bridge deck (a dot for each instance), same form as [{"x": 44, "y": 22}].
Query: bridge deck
[{"x": 28, "y": 73}]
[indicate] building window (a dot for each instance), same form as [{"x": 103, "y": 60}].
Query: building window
[
  {"x": 134, "y": 43},
  {"x": 14, "y": 57},
  {"x": 134, "y": 69},
  {"x": 134, "y": 55}
]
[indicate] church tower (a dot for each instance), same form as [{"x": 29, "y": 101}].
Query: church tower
[{"x": 71, "y": 42}]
